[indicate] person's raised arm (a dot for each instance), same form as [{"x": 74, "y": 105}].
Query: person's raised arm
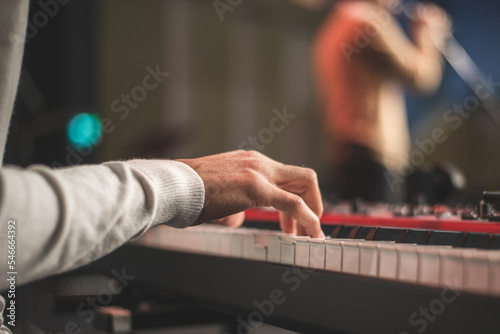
[{"x": 418, "y": 62}]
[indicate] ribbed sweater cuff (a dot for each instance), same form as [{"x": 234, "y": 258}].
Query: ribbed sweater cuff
[{"x": 178, "y": 190}]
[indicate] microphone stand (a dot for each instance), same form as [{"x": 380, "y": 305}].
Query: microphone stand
[{"x": 465, "y": 67}]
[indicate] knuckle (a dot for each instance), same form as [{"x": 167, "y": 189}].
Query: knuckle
[
  {"x": 253, "y": 154},
  {"x": 311, "y": 175},
  {"x": 295, "y": 202},
  {"x": 250, "y": 179},
  {"x": 253, "y": 163},
  {"x": 251, "y": 185}
]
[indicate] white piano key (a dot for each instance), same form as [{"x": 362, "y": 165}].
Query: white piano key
[
  {"x": 224, "y": 242},
  {"x": 273, "y": 248},
  {"x": 368, "y": 259},
  {"x": 199, "y": 241},
  {"x": 452, "y": 268},
  {"x": 249, "y": 242},
  {"x": 185, "y": 240},
  {"x": 157, "y": 235},
  {"x": 254, "y": 237},
  {"x": 166, "y": 237},
  {"x": 147, "y": 239},
  {"x": 350, "y": 257},
  {"x": 150, "y": 238},
  {"x": 195, "y": 240},
  {"x": 317, "y": 251},
  {"x": 236, "y": 244},
  {"x": 288, "y": 245},
  {"x": 191, "y": 239},
  {"x": 333, "y": 260},
  {"x": 259, "y": 253},
  {"x": 157, "y": 240},
  {"x": 214, "y": 244},
  {"x": 176, "y": 237},
  {"x": 429, "y": 263},
  {"x": 407, "y": 267},
  {"x": 476, "y": 270},
  {"x": 302, "y": 253},
  {"x": 388, "y": 261},
  {"x": 494, "y": 273},
  {"x": 287, "y": 252},
  {"x": 207, "y": 235}
]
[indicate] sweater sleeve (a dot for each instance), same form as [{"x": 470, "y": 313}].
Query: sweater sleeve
[{"x": 68, "y": 217}]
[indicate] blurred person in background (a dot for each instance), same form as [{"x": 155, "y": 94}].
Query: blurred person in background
[{"x": 363, "y": 59}]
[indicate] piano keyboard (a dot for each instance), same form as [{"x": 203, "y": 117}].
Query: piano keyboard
[{"x": 466, "y": 269}]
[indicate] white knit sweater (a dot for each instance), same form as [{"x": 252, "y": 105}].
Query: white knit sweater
[{"x": 68, "y": 217}]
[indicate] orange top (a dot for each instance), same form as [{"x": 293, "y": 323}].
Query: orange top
[{"x": 362, "y": 60}]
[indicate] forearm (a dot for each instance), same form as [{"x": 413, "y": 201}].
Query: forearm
[
  {"x": 69, "y": 217},
  {"x": 430, "y": 61},
  {"x": 418, "y": 63}
]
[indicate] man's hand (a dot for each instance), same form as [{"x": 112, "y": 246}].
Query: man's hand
[
  {"x": 435, "y": 16},
  {"x": 240, "y": 180},
  {"x": 436, "y": 21}
]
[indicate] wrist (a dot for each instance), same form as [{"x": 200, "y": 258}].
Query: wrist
[{"x": 178, "y": 190}]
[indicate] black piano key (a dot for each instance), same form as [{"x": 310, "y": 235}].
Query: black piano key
[
  {"x": 417, "y": 237},
  {"x": 460, "y": 240},
  {"x": 402, "y": 236},
  {"x": 343, "y": 232},
  {"x": 494, "y": 241},
  {"x": 353, "y": 233},
  {"x": 440, "y": 238},
  {"x": 350, "y": 232},
  {"x": 363, "y": 232},
  {"x": 358, "y": 232},
  {"x": 383, "y": 234},
  {"x": 262, "y": 225},
  {"x": 336, "y": 231},
  {"x": 328, "y": 229},
  {"x": 372, "y": 233},
  {"x": 477, "y": 240}
]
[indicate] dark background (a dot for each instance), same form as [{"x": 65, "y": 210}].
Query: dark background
[{"x": 67, "y": 61}]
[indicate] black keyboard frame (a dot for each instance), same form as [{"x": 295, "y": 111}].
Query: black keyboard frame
[{"x": 324, "y": 302}]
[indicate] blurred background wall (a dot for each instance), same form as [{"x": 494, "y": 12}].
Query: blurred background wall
[
  {"x": 229, "y": 74},
  {"x": 226, "y": 77}
]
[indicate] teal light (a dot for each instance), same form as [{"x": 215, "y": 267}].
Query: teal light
[{"x": 84, "y": 130}]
